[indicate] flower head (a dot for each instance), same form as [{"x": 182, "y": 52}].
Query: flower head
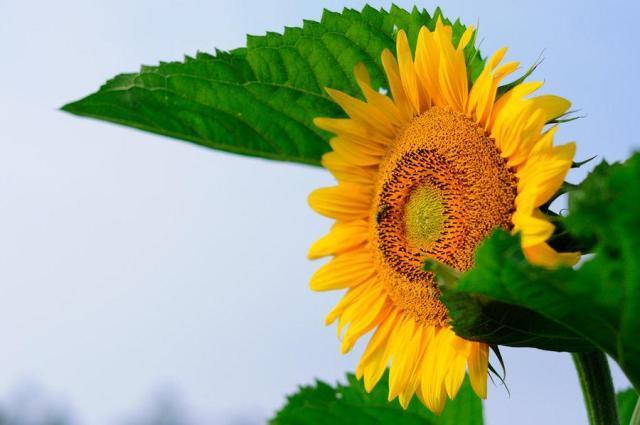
[{"x": 428, "y": 172}]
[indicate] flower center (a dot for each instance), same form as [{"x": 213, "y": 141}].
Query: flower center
[
  {"x": 441, "y": 189},
  {"x": 424, "y": 215}
]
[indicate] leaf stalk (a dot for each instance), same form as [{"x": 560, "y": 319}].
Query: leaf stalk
[{"x": 597, "y": 387}]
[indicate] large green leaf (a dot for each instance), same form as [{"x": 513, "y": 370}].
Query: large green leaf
[
  {"x": 261, "y": 100},
  {"x": 350, "y": 404},
  {"x": 599, "y": 301},
  {"x": 481, "y": 318}
]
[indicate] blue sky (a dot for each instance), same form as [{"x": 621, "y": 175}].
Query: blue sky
[{"x": 131, "y": 263}]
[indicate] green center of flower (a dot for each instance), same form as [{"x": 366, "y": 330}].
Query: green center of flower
[{"x": 424, "y": 216}]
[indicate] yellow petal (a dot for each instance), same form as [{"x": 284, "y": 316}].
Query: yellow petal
[
  {"x": 350, "y": 297},
  {"x": 349, "y": 129},
  {"x": 407, "y": 72},
  {"x": 534, "y": 230},
  {"x": 365, "y": 322},
  {"x": 343, "y": 271},
  {"x": 380, "y": 337},
  {"x": 553, "y": 106},
  {"x": 356, "y": 154},
  {"x": 413, "y": 382},
  {"x": 545, "y": 256},
  {"x": 403, "y": 348},
  {"x": 400, "y": 98},
  {"x": 427, "y": 64},
  {"x": 452, "y": 72},
  {"x": 455, "y": 377},
  {"x": 466, "y": 38},
  {"x": 344, "y": 202},
  {"x": 478, "y": 368},
  {"x": 408, "y": 361},
  {"x": 505, "y": 70},
  {"x": 542, "y": 148},
  {"x": 544, "y": 173},
  {"x": 345, "y": 171},
  {"x": 362, "y": 308},
  {"x": 496, "y": 58},
  {"x": 363, "y": 112},
  {"x": 447, "y": 354},
  {"x": 483, "y": 93},
  {"x": 377, "y": 100},
  {"x": 511, "y": 98},
  {"x": 432, "y": 391},
  {"x": 341, "y": 238},
  {"x": 374, "y": 361}
]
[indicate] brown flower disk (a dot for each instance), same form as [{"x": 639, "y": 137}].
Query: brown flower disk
[{"x": 442, "y": 188}]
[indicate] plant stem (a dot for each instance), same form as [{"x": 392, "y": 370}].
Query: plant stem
[
  {"x": 597, "y": 387},
  {"x": 635, "y": 418}
]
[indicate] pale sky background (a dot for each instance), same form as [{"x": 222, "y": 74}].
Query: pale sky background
[{"x": 131, "y": 263}]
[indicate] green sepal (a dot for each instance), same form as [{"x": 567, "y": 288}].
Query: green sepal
[
  {"x": 506, "y": 87},
  {"x": 566, "y": 117},
  {"x": 579, "y": 164}
]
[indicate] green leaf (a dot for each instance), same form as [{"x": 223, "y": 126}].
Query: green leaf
[
  {"x": 261, "y": 100},
  {"x": 480, "y": 318},
  {"x": 350, "y": 404},
  {"x": 600, "y": 301},
  {"x": 626, "y": 401}
]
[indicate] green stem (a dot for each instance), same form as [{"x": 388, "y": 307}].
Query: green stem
[
  {"x": 635, "y": 418},
  {"x": 597, "y": 388}
]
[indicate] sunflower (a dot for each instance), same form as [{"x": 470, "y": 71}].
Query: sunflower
[{"x": 427, "y": 173}]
